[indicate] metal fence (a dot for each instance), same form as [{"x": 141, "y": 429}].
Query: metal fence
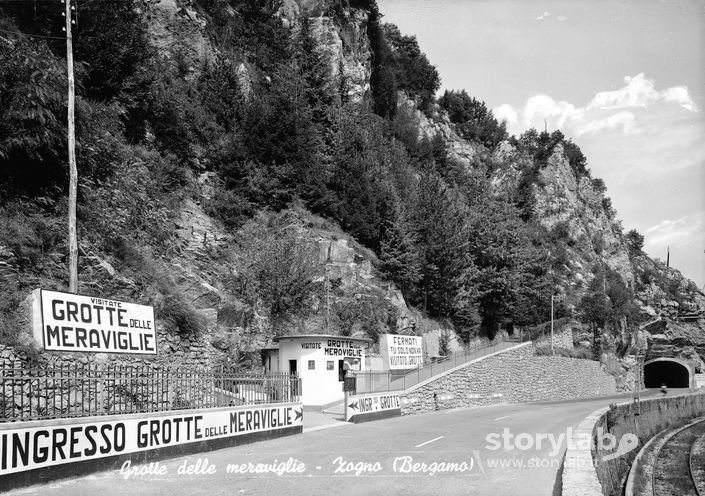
[
  {"x": 374, "y": 382},
  {"x": 76, "y": 390}
]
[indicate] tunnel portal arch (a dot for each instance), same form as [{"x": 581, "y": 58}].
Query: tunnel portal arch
[{"x": 672, "y": 372}]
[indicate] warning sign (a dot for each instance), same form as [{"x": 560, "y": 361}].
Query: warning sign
[{"x": 402, "y": 352}]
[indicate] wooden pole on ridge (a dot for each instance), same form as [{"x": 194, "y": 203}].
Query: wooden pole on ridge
[{"x": 73, "y": 171}]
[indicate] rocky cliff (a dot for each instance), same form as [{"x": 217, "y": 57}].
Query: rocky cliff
[{"x": 171, "y": 250}]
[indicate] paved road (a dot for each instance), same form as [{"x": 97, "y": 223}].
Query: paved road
[{"x": 403, "y": 456}]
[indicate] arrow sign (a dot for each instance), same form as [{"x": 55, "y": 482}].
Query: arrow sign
[
  {"x": 299, "y": 415},
  {"x": 353, "y": 405}
]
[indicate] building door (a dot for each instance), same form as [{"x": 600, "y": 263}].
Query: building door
[
  {"x": 295, "y": 391},
  {"x": 341, "y": 370}
]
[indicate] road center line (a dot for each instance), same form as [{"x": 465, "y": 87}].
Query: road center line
[
  {"x": 429, "y": 442},
  {"x": 500, "y": 418}
]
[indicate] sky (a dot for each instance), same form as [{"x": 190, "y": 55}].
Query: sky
[{"x": 624, "y": 79}]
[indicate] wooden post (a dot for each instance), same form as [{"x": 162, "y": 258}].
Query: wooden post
[
  {"x": 73, "y": 172},
  {"x": 552, "y": 353}
]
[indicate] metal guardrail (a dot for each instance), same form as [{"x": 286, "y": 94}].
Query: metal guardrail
[
  {"x": 77, "y": 390},
  {"x": 375, "y": 382}
]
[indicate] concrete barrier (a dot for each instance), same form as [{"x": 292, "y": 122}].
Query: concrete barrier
[
  {"x": 43, "y": 450},
  {"x": 595, "y": 468}
]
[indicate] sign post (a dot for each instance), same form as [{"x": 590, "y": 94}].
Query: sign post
[
  {"x": 554, "y": 298},
  {"x": 349, "y": 383}
]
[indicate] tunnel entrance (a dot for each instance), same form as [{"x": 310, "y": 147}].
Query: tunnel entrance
[{"x": 669, "y": 372}]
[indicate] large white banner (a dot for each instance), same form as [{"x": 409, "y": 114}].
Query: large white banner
[
  {"x": 84, "y": 323},
  {"x": 402, "y": 352},
  {"x": 36, "y": 447}
]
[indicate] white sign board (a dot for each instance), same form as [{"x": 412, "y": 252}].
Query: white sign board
[
  {"x": 402, "y": 352},
  {"x": 364, "y": 404},
  {"x": 38, "y": 447},
  {"x": 341, "y": 347},
  {"x": 72, "y": 322}
]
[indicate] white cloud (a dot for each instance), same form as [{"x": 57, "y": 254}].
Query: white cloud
[
  {"x": 607, "y": 110},
  {"x": 506, "y": 112},
  {"x": 623, "y": 119},
  {"x": 679, "y": 95},
  {"x": 672, "y": 232},
  {"x": 543, "y": 16},
  {"x": 561, "y": 18},
  {"x": 542, "y": 106},
  {"x": 640, "y": 92}
]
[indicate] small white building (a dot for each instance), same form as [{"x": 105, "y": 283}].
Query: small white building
[{"x": 320, "y": 361}]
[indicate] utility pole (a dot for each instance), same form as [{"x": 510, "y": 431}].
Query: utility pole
[
  {"x": 73, "y": 172},
  {"x": 552, "y": 353},
  {"x": 327, "y": 290},
  {"x": 668, "y": 257},
  {"x": 554, "y": 299}
]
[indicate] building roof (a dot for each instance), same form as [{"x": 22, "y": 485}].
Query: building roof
[{"x": 321, "y": 336}]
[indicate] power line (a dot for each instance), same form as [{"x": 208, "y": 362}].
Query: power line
[
  {"x": 2, "y": 2},
  {"x": 62, "y": 38},
  {"x": 33, "y": 35}
]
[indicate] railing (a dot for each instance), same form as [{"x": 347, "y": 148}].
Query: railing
[
  {"x": 76, "y": 390},
  {"x": 374, "y": 382}
]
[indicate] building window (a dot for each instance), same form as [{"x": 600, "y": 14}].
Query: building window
[
  {"x": 329, "y": 365},
  {"x": 311, "y": 365}
]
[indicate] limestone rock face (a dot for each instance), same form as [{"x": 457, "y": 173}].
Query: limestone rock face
[
  {"x": 563, "y": 198},
  {"x": 178, "y": 32},
  {"x": 244, "y": 81},
  {"x": 342, "y": 39},
  {"x": 458, "y": 148},
  {"x": 506, "y": 179},
  {"x": 672, "y": 307},
  {"x": 347, "y": 50},
  {"x": 197, "y": 230}
]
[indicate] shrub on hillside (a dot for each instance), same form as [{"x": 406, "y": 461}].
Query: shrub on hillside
[
  {"x": 277, "y": 267},
  {"x": 412, "y": 70},
  {"x": 473, "y": 119},
  {"x": 32, "y": 128},
  {"x": 635, "y": 241},
  {"x": 179, "y": 316},
  {"x": 30, "y": 236},
  {"x": 580, "y": 352}
]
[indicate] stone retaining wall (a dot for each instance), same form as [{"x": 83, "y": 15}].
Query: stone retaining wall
[
  {"x": 514, "y": 375},
  {"x": 587, "y": 473},
  {"x": 562, "y": 338}
]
